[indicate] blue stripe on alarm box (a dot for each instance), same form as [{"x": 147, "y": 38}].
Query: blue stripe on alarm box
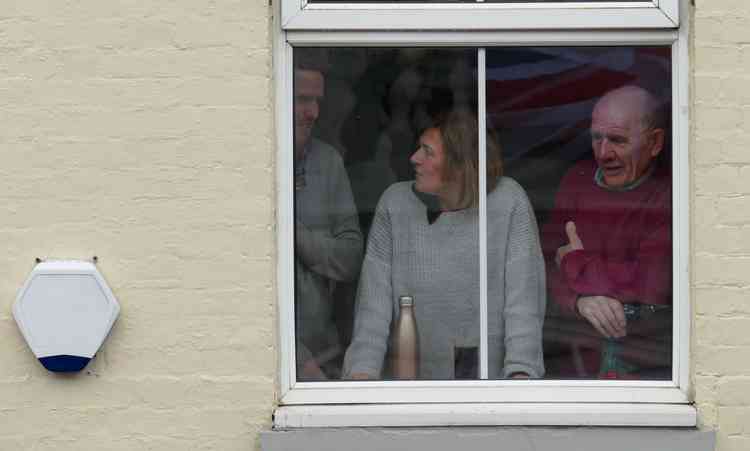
[{"x": 64, "y": 363}]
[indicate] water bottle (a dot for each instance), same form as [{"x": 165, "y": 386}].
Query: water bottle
[
  {"x": 406, "y": 341},
  {"x": 610, "y": 364}
]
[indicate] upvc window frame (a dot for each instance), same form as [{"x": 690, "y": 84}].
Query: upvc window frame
[
  {"x": 548, "y": 402},
  {"x": 602, "y": 15}
]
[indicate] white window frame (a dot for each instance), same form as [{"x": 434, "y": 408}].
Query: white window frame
[
  {"x": 512, "y": 402},
  {"x": 603, "y": 15}
]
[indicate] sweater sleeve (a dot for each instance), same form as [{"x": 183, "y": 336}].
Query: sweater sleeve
[
  {"x": 645, "y": 277},
  {"x": 335, "y": 252},
  {"x": 374, "y": 306},
  {"x": 553, "y": 236},
  {"x": 525, "y": 296},
  {"x": 639, "y": 274}
]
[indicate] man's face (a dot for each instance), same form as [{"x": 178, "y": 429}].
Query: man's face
[
  {"x": 623, "y": 147},
  {"x": 309, "y": 88}
]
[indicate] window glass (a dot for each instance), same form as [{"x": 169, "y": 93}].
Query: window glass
[
  {"x": 609, "y": 304},
  {"x": 578, "y": 213},
  {"x": 385, "y": 185}
]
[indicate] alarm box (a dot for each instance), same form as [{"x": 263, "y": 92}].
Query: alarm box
[{"x": 65, "y": 310}]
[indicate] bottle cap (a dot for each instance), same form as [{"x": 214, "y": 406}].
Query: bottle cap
[{"x": 405, "y": 301}]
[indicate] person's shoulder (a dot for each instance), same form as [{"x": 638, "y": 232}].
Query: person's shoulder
[
  {"x": 325, "y": 159},
  {"x": 663, "y": 176},
  {"x": 580, "y": 174},
  {"x": 582, "y": 169},
  {"x": 507, "y": 189},
  {"x": 324, "y": 151},
  {"x": 508, "y": 200},
  {"x": 397, "y": 199},
  {"x": 508, "y": 196},
  {"x": 658, "y": 189},
  {"x": 398, "y": 192}
]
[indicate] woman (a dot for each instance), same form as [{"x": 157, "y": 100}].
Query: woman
[{"x": 424, "y": 243}]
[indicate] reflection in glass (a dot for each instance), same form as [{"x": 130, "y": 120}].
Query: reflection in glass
[
  {"x": 424, "y": 243},
  {"x": 380, "y": 112},
  {"x": 586, "y": 132},
  {"x": 369, "y": 231},
  {"x": 328, "y": 242}
]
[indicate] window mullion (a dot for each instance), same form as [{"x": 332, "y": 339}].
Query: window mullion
[
  {"x": 481, "y": 121},
  {"x": 285, "y": 240}
]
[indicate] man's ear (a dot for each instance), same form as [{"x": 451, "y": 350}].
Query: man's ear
[{"x": 657, "y": 142}]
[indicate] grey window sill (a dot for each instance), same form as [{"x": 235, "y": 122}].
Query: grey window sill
[{"x": 493, "y": 438}]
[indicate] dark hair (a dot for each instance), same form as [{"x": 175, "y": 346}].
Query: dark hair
[
  {"x": 459, "y": 132},
  {"x": 311, "y": 58}
]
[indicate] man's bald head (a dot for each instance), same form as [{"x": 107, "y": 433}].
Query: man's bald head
[
  {"x": 639, "y": 102},
  {"x": 626, "y": 134}
]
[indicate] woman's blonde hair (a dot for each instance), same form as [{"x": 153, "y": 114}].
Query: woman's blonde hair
[{"x": 459, "y": 132}]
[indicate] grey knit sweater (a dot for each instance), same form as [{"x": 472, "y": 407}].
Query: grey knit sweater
[
  {"x": 438, "y": 264},
  {"x": 328, "y": 248}
]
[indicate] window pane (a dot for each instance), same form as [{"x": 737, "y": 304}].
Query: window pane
[
  {"x": 367, "y": 231},
  {"x": 586, "y": 132}
]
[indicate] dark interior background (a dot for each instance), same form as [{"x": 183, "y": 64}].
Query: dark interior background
[{"x": 539, "y": 102}]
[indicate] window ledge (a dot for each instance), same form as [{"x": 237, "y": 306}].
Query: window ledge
[
  {"x": 489, "y": 439},
  {"x": 510, "y": 414}
]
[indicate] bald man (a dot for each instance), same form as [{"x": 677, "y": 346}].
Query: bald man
[{"x": 608, "y": 240}]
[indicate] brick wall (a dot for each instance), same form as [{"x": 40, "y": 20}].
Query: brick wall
[
  {"x": 141, "y": 132},
  {"x": 721, "y": 219}
]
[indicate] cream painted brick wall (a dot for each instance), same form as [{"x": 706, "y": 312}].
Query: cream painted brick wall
[
  {"x": 141, "y": 131},
  {"x": 721, "y": 219}
]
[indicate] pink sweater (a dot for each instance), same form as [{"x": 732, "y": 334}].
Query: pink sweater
[{"x": 626, "y": 235}]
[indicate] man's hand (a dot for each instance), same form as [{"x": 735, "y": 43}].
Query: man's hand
[
  {"x": 574, "y": 242},
  {"x": 605, "y": 314}
]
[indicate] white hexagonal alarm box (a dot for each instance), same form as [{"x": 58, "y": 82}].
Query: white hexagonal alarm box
[{"x": 65, "y": 311}]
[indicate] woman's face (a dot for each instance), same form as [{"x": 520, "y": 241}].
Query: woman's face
[{"x": 428, "y": 163}]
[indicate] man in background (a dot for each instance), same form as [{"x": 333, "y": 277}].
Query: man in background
[{"x": 328, "y": 241}]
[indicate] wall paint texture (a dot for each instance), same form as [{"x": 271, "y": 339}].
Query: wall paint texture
[
  {"x": 142, "y": 132},
  {"x": 721, "y": 219}
]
